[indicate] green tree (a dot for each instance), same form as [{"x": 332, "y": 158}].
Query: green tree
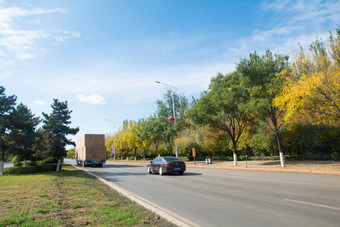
[
  {"x": 175, "y": 106},
  {"x": 39, "y": 147},
  {"x": 144, "y": 139},
  {"x": 169, "y": 132},
  {"x": 224, "y": 107},
  {"x": 56, "y": 128},
  {"x": 71, "y": 153},
  {"x": 23, "y": 135},
  {"x": 259, "y": 75},
  {"x": 7, "y": 104},
  {"x": 152, "y": 130}
]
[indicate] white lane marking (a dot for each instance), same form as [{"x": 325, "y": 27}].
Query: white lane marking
[{"x": 313, "y": 204}]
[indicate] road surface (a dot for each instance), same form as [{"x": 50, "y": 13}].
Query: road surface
[{"x": 213, "y": 197}]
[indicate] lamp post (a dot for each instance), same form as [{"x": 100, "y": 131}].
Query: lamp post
[
  {"x": 114, "y": 139},
  {"x": 173, "y": 107}
]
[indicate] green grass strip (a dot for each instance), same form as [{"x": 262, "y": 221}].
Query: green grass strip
[{"x": 68, "y": 198}]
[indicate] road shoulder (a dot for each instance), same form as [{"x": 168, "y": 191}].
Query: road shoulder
[{"x": 161, "y": 211}]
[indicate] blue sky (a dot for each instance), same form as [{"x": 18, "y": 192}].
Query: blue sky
[{"x": 104, "y": 57}]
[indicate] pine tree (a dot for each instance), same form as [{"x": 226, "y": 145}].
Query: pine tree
[
  {"x": 23, "y": 132},
  {"x": 56, "y": 129},
  {"x": 6, "y": 107}
]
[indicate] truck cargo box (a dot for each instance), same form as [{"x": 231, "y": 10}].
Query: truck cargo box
[{"x": 91, "y": 150}]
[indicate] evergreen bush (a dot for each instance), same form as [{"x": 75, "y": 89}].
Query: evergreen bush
[
  {"x": 50, "y": 160},
  {"x": 16, "y": 160}
]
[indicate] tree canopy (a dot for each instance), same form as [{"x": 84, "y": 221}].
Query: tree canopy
[
  {"x": 23, "y": 132},
  {"x": 7, "y": 105},
  {"x": 56, "y": 128},
  {"x": 312, "y": 84},
  {"x": 259, "y": 75},
  {"x": 225, "y": 107}
]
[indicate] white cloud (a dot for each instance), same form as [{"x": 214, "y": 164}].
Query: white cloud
[
  {"x": 93, "y": 99},
  {"x": 292, "y": 22},
  {"x": 24, "y": 42},
  {"x": 65, "y": 35},
  {"x": 4, "y": 68},
  {"x": 39, "y": 102}
]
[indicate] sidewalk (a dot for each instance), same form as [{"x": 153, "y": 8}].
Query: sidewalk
[{"x": 315, "y": 167}]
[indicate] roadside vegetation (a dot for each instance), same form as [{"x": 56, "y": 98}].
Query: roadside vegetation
[
  {"x": 20, "y": 139},
  {"x": 68, "y": 198},
  {"x": 272, "y": 107}
]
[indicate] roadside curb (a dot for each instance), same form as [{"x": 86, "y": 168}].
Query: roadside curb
[
  {"x": 161, "y": 211},
  {"x": 268, "y": 169}
]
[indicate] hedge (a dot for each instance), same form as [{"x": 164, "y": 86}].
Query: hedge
[{"x": 30, "y": 169}]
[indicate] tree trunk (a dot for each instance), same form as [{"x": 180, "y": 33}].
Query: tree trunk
[
  {"x": 2, "y": 160},
  {"x": 59, "y": 161},
  {"x": 2, "y": 167},
  {"x": 234, "y": 153},
  {"x": 235, "y": 158},
  {"x": 274, "y": 118},
  {"x": 282, "y": 159},
  {"x": 58, "y": 165},
  {"x": 135, "y": 153}
]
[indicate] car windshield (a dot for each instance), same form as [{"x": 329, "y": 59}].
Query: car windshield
[{"x": 170, "y": 159}]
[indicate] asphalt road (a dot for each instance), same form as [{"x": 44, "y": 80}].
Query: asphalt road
[{"x": 213, "y": 197}]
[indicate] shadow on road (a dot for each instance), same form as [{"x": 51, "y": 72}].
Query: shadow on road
[
  {"x": 121, "y": 166},
  {"x": 271, "y": 163},
  {"x": 191, "y": 174},
  {"x": 126, "y": 174},
  {"x": 177, "y": 175}
]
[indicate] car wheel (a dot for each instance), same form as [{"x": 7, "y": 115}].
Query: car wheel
[
  {"x": 160, "y": 170},
  {"x": 149, "y": 170},
  {"x": 181, "y": 173}
]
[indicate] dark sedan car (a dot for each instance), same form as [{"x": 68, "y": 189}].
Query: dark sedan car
[{"x": 163, "y": 165}]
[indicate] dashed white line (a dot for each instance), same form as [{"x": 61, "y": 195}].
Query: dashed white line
[{"x": 312, "y": 204}]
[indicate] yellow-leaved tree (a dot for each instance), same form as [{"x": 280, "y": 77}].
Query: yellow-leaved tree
[{"x": 311, "y": 90}]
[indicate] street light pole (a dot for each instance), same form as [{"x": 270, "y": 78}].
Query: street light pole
[
  {"x": 173, "y": 108},
  {"x": 114, "y": 139}
]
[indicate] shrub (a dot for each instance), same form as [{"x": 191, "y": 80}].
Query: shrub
[
  {"x": 30, "y": 169},
  {"x": 336, "y": 157},
  {"x": 47, "y": 167},
  {"x": 185, "y": 150},
  {"x": 314, "y": 140},
  {"x": 50, "y": 160},
  {"x": 16, "y": 160},
  {"x": 21, "y": 170}
]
